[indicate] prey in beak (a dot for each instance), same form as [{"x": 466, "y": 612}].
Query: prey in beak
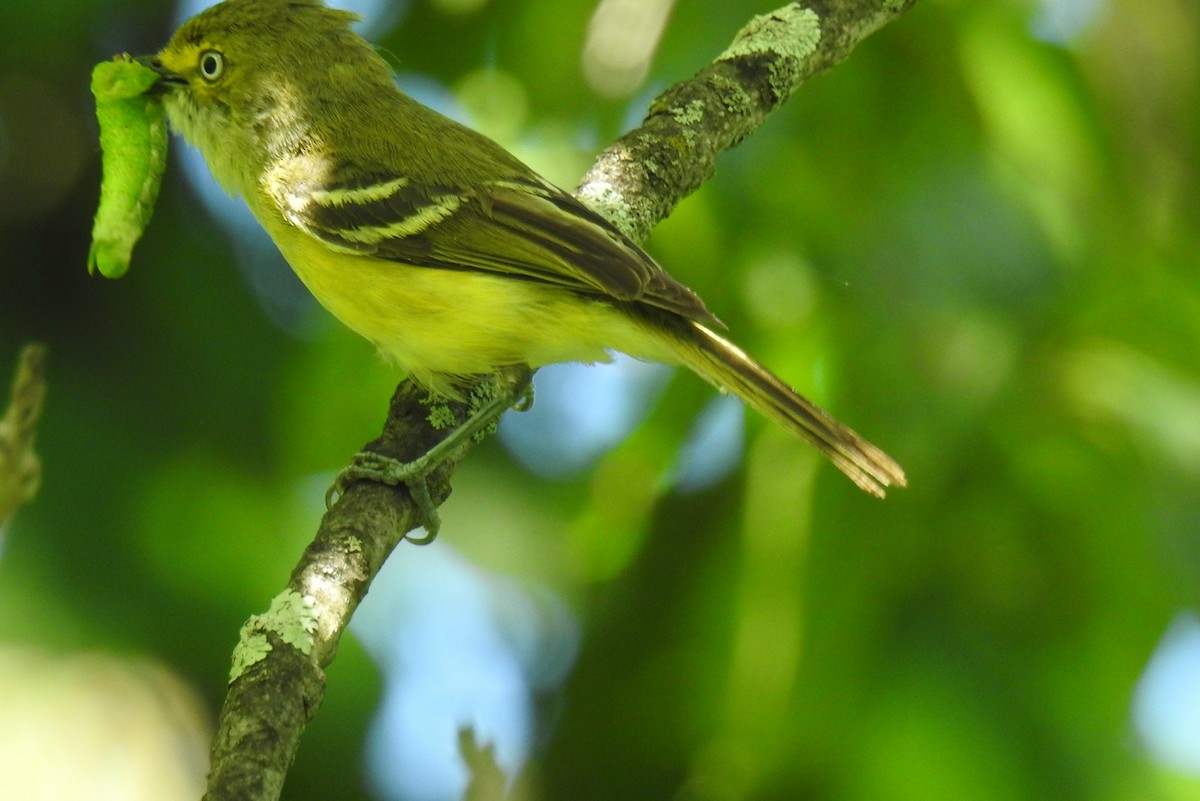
[{"x": 167, "y": 79}]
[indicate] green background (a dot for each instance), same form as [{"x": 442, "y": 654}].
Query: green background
[{"x": 977, "y": 248}]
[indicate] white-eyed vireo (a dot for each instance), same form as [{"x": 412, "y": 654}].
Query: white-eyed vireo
[{"x": 429, "y": 239}]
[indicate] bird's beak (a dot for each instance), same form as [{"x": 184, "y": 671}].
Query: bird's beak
[{"x": 168, "y": 79}]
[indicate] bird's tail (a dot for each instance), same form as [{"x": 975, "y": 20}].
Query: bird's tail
[{"x": 725, "y": 365}]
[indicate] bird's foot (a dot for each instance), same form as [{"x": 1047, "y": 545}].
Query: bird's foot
[
  {"x": 487, "y": 407},
  {"x": 368, "y": 466}
]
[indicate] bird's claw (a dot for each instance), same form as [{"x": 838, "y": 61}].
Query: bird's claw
[{"x": 368, "y": 466}]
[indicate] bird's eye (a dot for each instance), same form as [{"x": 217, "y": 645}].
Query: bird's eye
[{"x": 212, "y": 65}]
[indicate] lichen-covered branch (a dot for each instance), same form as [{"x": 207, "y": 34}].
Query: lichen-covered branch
[
  {"x": 278, "y": 681},
  {"x": 637, "y": 180}
]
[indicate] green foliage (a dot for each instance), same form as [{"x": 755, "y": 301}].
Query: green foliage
[{"x": 989, "y": 243}]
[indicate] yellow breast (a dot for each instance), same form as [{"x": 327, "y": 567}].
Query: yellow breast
[{"x": 437, "y": 324}]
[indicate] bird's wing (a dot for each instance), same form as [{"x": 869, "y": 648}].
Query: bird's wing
[{"x": 523, "y": 227}]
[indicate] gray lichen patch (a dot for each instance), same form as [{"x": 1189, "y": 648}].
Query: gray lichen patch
[
  {"x": 785, "y": 36},
  {"x": 607, "y": 201},
  {"x": 789, "y": 31},
  {"x": 290, "y": 618}
]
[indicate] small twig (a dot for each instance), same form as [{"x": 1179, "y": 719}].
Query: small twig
[
  {"x": 20, "y": 469},
  {"x": 487, "y": 781}
]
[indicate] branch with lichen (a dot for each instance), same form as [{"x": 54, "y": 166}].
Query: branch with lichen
[
  {"x": 20, "y": 469},
  {"x": 278, "y": 681},
  {"x": 637, "y": 180}
]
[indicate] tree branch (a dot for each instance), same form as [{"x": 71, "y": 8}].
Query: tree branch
[
  {"x": 637, "y": 180},
  {"x": 278, "y": 679}
]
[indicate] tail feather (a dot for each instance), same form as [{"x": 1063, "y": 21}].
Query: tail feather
[{"x": 724, "y": 364}]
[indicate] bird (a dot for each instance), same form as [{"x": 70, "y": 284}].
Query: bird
[{"x": 448, "y": 253}]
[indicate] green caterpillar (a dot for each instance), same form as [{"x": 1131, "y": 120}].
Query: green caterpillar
[{"x": 133, "y": 144}]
